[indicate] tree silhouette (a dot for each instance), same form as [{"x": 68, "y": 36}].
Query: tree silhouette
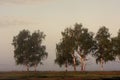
[
  {"x": 104, "y": 46},
  {"x": 38, "y": 52},
  {"x": 116, "y": 45},
  {"x": 84, "y": 43},
  {"x": 78, "y": 39},
  {"x": 65, "y": 50},
  {"x": 28, "y": 49}
]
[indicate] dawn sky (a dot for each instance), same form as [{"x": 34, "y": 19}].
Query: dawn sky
[{"x": 52, "y": 17}]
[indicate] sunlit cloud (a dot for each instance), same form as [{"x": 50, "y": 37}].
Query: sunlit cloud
[{"x": 16, "y": 21}]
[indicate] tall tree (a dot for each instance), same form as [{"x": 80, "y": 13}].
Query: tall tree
[
  {"x": 21, "y": 48},
  {"x": 38, "y": 52},
  {"x": 104, "y": 47},
  {"x": 65, "y": 50},
  {"x": 84, "y": 43},
  {"x": 28, "y": 49},
  {"x": 80, "y": 40}
]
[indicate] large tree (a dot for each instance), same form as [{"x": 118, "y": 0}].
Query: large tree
[
  {"x": 78, "y": 40},
  {"x": 65, "y": 50},
  {"x": 84, "y": 43},
  {"x": 103, "y": 51},
  {"x": 28, "y": 49},
  {"x": 38, "y": 51}
]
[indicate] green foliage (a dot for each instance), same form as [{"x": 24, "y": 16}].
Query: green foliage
[
  {"x": 116, "y": 45},
  {"x": 21, "y": 45},
  {"x": 65, "y": 48},
  {"x": 103, "y": 45},
  {"x": 37, "y": 49},
  {"x": 28, "y": 49},
  {"x": 79, "y": 39},
  {"x": 83, "y": 39}
]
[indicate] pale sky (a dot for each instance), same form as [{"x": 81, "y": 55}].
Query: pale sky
[{"x": 52, "y": 17}]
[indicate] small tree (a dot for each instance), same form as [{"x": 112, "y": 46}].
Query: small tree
[
  {"x": 116, "y": 45},
  {"x": 104, "y": 47},
  {"x": 62, "y": 56},
  {"x": 28, "y": 49}
]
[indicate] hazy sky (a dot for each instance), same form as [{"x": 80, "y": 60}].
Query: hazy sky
[{"x": 52, "y": 17}]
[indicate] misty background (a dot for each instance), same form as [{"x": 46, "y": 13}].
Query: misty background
[{"x": 52, "y": 17}]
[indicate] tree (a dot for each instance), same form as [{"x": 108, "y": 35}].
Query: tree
[
  {"x": 38, "y": 52},
  {"x": 63, "y": 58},
  {"x": 103, "y": 51},
  {"x": 80, "y": 40},
  {"x": 65, "y": 50},
  {"x": 116, "y": 45},
  {"x": 28, "y": 50},
  {"x": 62, "y": 55},
  {"x": 84, "y": 43}
]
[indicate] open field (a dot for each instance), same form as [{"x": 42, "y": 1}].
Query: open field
[{"x": 96, "y": 75}]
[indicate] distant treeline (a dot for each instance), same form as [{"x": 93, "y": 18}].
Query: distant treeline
[{"x": 73, "y": 49}]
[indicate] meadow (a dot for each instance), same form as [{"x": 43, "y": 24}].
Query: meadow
[{"x": 52, "y": 75}]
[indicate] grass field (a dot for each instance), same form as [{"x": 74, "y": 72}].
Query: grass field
[{"x": 96, "y": 75}]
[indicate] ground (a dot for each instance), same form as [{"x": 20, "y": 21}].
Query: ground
[{"x": 96, "y": 75}]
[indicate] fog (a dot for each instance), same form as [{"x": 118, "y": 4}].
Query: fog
[{"x": 52, "y": 17}]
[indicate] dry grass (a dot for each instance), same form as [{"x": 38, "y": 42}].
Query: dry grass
[{"x": 96, "y": 75}]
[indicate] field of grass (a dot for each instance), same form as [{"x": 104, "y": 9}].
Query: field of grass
[{"x": 96, "y": 75}]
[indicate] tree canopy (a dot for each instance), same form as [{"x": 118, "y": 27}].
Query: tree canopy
[
  {"x": 84, "y": 43},
  {"x": 28, "y": 49},
  {"x": 104, "y": 46},
  {"x": 78, "y": 39},
  {"x": 72, "y": 50},
  {"x": 116, "y": 45},
  {"x": 65, "y": 49}
]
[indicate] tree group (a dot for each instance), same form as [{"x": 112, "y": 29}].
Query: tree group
[
  {"x": 75, "y": 46},
  {"x": 79, "y": 42},
  {"x": 28, "y": 48}
]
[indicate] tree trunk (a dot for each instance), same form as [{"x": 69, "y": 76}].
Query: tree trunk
[
  {"x": 27, "y": 67},
  {"x": 35, "y": 67},
  {"x": 74, "y": 61},
  {"x": 82, "y": 61},
  {"x": 66, "y": 66},
  {"x": 101, "y": 64},
  {"x": 82, "y": 64},
  {"x": 82, "y": 67}
]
